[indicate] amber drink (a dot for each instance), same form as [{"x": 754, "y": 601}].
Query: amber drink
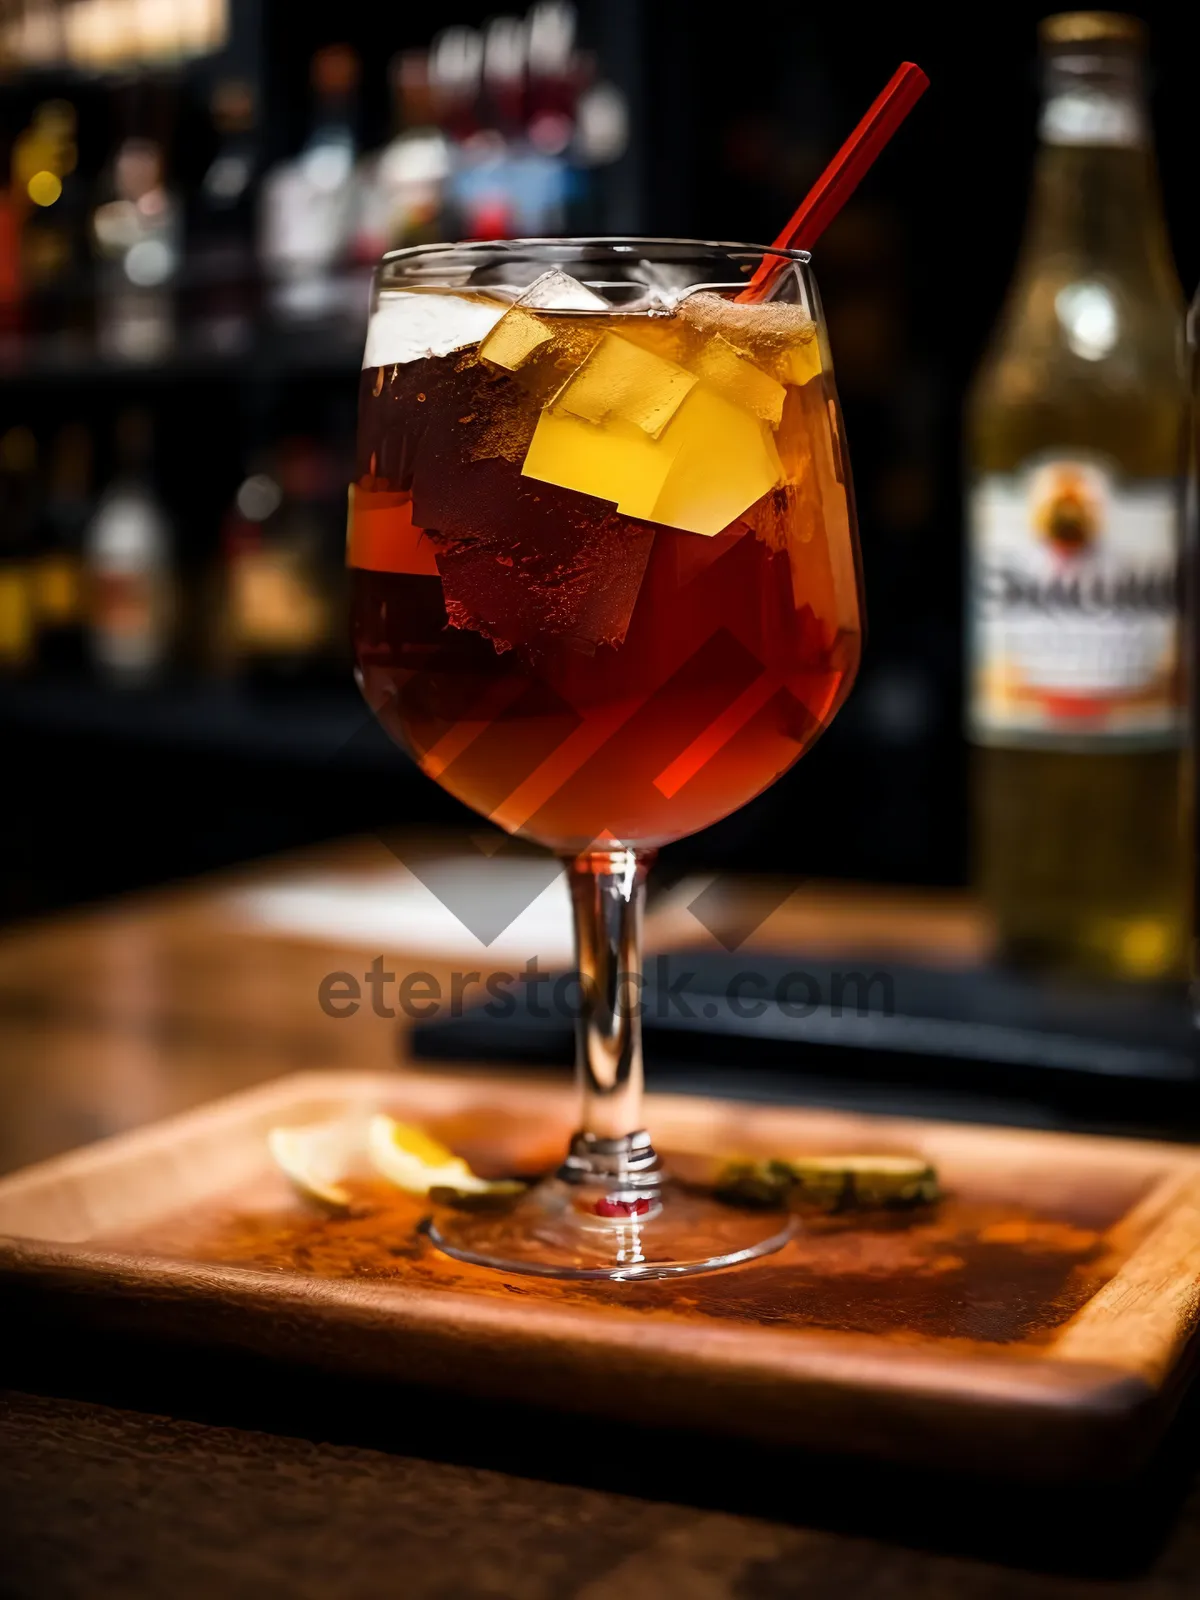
[{"x": 604, "y": 581}]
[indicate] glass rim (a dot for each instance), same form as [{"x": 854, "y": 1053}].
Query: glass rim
[{"x": 615, "y": 241}]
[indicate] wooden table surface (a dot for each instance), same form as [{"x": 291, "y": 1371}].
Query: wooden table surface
[{"x": 128, "y": 1473}]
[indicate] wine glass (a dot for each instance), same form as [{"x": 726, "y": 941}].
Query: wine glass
[{"x": 606, "y": 590}]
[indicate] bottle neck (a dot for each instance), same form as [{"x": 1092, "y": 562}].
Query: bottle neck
[
  {"x": 1096, "y": 205},
  {"x": 1094, "y": 101}
]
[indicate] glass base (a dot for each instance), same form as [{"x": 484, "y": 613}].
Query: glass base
[{"x": 554, "y": 1231}]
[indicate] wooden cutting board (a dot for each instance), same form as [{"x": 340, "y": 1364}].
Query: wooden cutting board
[{"x": 1036, "y": 1321}]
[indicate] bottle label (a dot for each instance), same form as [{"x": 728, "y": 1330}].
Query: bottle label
[
  {"x": 1085, "y": 115},
  {"x": 1074, "y": 608},
  {"x": 123, "y": 605}
]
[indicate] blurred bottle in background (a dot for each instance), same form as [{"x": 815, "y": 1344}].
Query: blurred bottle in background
[
  {"x": 510, "y": 175},
  {"x": 502, "y": 79},
  {"x": 1075, "y": 452},
  {"x": 455, "y": 75},
  {"x": 52, "y": 218},
  {"x": 280, "y": 607},
  {"x": 58, "y": 565},
  {"x": 18, "y": 519},
  {"x": 308, "y": 204},
  {"x": 557, "y": 73},
  {"x": 526, "y": 119},
  {"x": 137, "y": 239},
  {"x": 221, "y": 256},
  {"x": 456, "y": 81},
  {"x": 402, "y": 187},
  {"x": 127, "y": 555},
  {"x": 559, "y": 88}
]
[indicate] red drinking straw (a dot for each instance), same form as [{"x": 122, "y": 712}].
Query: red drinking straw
[{"x": 846, "y": 171}]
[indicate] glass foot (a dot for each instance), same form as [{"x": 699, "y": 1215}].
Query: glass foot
[{"x": 559, "y": 1230}]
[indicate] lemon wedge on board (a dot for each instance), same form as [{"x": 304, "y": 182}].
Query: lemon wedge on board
[
  {"x": 318, "y": 1156},
  {"x": 418, "y": 1163}
]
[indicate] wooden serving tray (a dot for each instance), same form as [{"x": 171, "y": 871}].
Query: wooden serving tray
[{"x": 1035, "y": 1321}]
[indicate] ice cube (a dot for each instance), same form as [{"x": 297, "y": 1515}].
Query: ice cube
[
  {"x": 410, "y": 325},
  {"x": 727, "y": 369},
  {"x": 514, "y": 339},
  {"x": 666, "y": 284},
  {"x": 556, "y": 290},
  {"x": 712, "y": 462},
  {"x": 623, "y": 381},
  {"x": 575, "y": 584},
  {"x": 522, "y": 564}
]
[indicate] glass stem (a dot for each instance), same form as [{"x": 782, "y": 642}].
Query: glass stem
[{"x": 611, "y": 1148}]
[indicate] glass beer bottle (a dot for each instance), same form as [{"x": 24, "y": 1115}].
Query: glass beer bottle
[{"x": 1075, "y": 450}]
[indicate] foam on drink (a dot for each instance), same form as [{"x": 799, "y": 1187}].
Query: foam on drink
[{"x": 415, "y": 325}]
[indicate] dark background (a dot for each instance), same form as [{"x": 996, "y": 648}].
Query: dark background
[{"x": 732, "y": 118}]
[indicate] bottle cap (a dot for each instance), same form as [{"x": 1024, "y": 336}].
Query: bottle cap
[{"x": 1091, "y": 27}]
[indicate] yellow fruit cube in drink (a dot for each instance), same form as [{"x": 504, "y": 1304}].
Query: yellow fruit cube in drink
[
  {"x": 725, "y": 460},
  {"x": 627, "y": 383},
  {"x": 711, "y": 464},
  {"x": 616, "y": 462},
  {"x": 732, "y": 374},
  {"x": 514, "y": 339}
]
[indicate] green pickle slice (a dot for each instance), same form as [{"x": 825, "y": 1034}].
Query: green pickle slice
[{"x": 829, "y": 1183}]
